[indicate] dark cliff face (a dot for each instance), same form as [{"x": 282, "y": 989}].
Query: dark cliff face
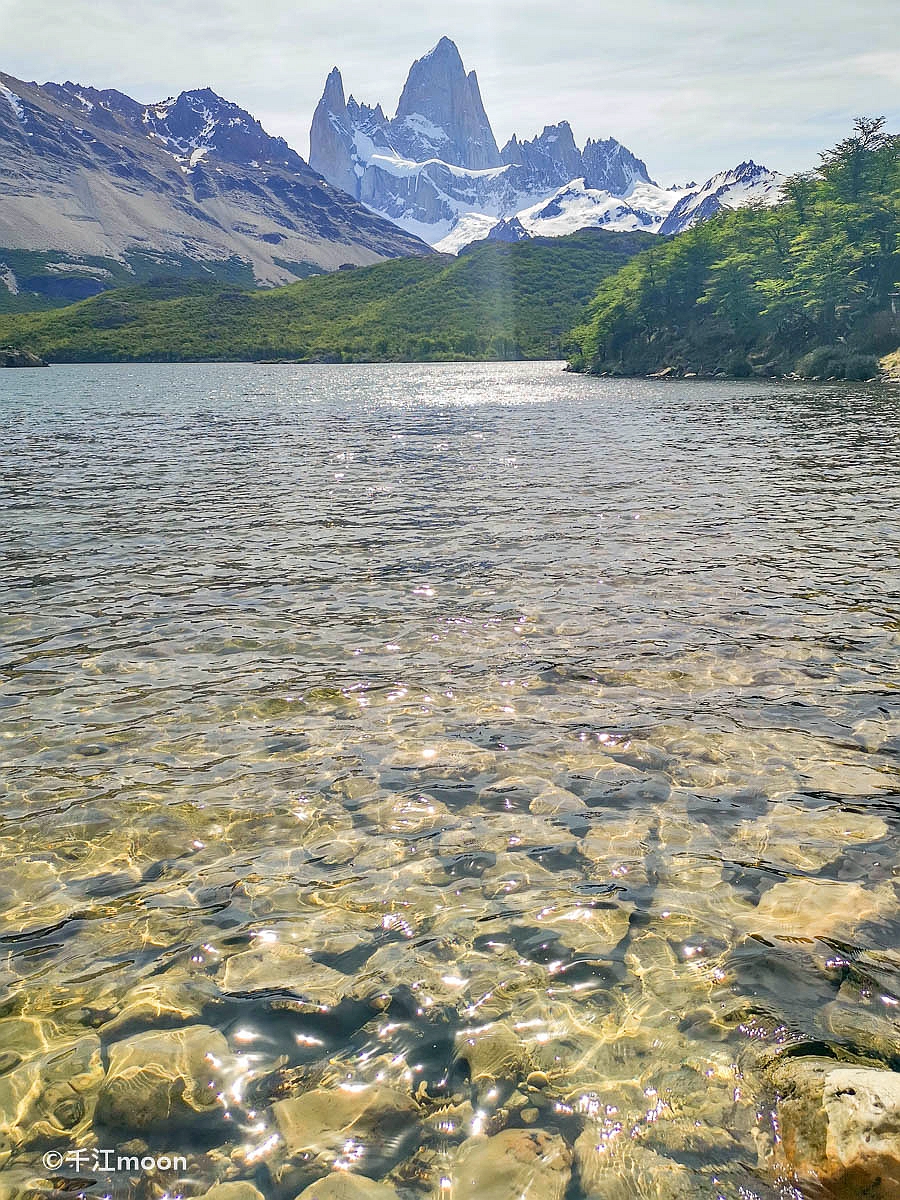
[
  {"x": 549, "y": 160},
  {"x": 10, "y": 356},
  {"x": 95, "y": 173},
  {"x": 510, "y": 230}
]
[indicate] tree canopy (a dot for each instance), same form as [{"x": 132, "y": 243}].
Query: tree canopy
[{"x": 805, "y": 286}]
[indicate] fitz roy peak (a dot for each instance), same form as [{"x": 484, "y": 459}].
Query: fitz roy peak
[
  {"x": 434, "y": 169},
  {"x": 440, "y": 114}
]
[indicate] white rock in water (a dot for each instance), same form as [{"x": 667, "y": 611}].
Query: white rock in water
[{"x": 840, "y": 1126}]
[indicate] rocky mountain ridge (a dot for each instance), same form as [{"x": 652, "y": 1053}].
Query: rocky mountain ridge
[
  {"x": 434, "y": 168},
  {"x": 95, "y": 183}
]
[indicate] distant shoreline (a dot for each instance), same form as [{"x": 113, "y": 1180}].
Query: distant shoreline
[{"x": 890, "y": 373}]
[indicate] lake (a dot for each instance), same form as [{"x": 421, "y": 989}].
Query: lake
[{"x": 400, "y": 755}]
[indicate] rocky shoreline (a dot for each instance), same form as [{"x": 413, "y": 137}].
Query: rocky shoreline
[
  {"x": 10, "y": 356},
  {"x": 838, "y": 1127}
]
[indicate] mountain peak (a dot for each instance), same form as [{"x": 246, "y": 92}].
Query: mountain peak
[
  {"x": 611, "y": 167},
  {"x": 441, "y": 101},
  {"x": 444, "y": 48},
  {"x": 333, "y": 95},
  {"x": 552, "y": 153},
  {"x": 435, "y": 165},
  {"x": 217, "y": 196}
]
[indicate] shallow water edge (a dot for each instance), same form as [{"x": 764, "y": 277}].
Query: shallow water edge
[{"x": 471, "y": 778}]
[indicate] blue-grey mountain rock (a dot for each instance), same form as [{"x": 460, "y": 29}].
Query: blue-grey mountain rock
[
  {"x": 440, "y": 113},
  {"x": 510, "y": 230},
  {"x": 608, "y": 166},
  {"x": 748, "y": 182}
]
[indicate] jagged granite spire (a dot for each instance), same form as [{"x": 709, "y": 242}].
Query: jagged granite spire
[
  {"x": 611, "y": 167},
  {"x": 330, "y": 138},
  {"x": 552, "y": 154},
  {"x": 435, "y": 170},
  {"x": 442, "y": 114}
]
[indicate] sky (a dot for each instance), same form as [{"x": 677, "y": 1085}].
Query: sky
[{"x": 690, "y": 86}]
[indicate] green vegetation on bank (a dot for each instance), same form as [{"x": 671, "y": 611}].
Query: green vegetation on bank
[
  {"x": 804, "y": 287},
  {"x": 498, "y": 301}
]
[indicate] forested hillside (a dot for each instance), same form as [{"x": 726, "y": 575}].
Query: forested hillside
[
  {"x": 805, "y": 287},
  {"x": 497, "y": 301}
]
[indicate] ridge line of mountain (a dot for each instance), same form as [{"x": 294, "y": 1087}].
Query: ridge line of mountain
[
  {"x": 98, "y": 188},
  {"x": 427, "y": 167}
]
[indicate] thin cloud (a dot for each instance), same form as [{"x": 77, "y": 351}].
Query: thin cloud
[{"x": 692, "y": 86}]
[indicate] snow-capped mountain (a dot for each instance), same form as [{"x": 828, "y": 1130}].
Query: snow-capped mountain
[
  {"x": 748, "y": 183},
  {"x": 99, "y": 179},
  {"x": 644, "y": 206},
  {"x": 434, "y": 169}
]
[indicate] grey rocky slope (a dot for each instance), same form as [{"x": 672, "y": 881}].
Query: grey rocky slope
[
  {"x": 435, "y": 169},
  {"x": 97, "y": 177}
]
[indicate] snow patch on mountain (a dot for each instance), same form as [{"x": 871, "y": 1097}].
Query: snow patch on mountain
[
  {"x": 469, "y": 227},
  {"x": 576, "y": 206},
  {"x": 14, "y": 103},
  {"x": 748, "y": 183},
  {"x": 8, "y": 279}
]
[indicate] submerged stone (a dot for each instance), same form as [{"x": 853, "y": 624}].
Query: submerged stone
[
  {"x": 839, "y": 1126},
  {"x": 866, "y": 1028},
  {"x": 807, "y": 839},
  {"x": 51, "y": 1100},
  {"x": 283, "y": 966},
  {"x": 517, "y": 1164},
  {"x": 341, "y": 1185},
  {"x": 585, "y": 929},
  {"x": 319, "y": 1123},
  {"x": 156, "y": 1080},
  {"x": 161, "y": 999},
  {"x": 238, "y": 1190},
  {"x": 816, "y": 908},
  {"x": 621, "y": 1170},
  {"x": 493, "y": 1052}
]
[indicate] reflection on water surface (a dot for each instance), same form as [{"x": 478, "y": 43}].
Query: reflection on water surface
[{"x": 396, "y": 755}]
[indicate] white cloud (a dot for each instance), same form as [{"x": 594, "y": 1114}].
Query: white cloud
[{"x": 690, "y": 85}]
